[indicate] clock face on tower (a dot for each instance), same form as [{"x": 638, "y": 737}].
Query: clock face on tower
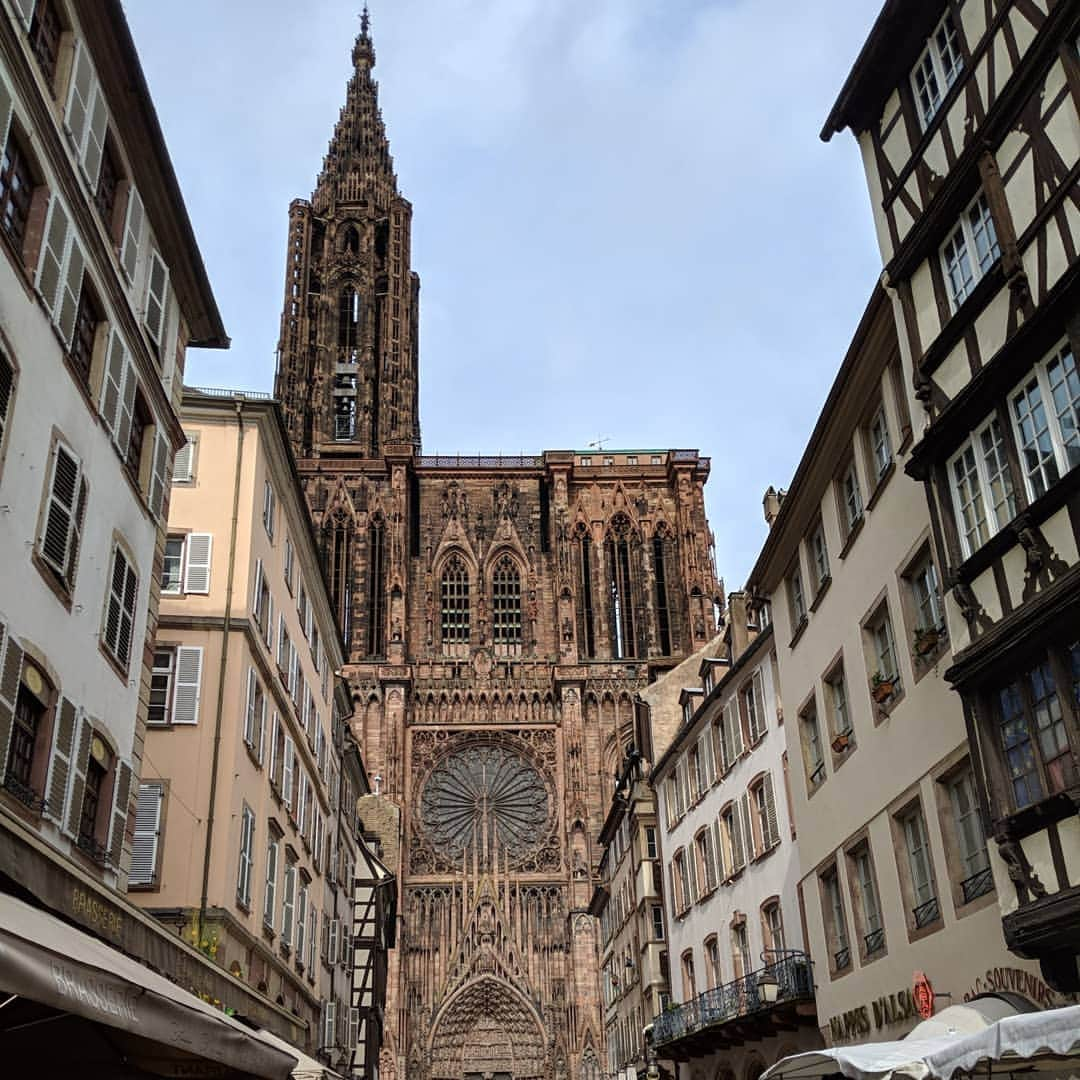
[{"x": 486, "y": 798}]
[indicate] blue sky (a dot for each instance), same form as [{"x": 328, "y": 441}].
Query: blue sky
[{"x": 623, "y": 219}]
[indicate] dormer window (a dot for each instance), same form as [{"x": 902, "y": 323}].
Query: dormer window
[{"x": 938, "y": 68}]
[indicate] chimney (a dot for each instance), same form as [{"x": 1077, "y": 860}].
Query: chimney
[
  {"x": 736, "y": 619},
  {"x": 771, "y": 503}
]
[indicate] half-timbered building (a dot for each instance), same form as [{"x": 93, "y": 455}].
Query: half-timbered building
[{"x": 966, "y": 112}]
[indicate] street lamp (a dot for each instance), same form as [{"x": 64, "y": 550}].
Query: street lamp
[{"x": 768, "y": 987}]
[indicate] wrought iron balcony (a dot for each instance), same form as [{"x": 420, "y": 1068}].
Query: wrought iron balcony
[
  {"x": 786, "y": 981},
  {"x": 926, "y": 913},
  {"x": 842, "y": 958},
  {"x": 23, "y": 792},
  {"x": 874, "y": 941},
  {"x": 977, "y": 885}
]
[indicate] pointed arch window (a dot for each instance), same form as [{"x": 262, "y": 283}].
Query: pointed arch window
[
  {"x": 351, "y": 243},
  {"x": 619, "y": 588},
  {"x": 349, "y": 318},
  {"x": 339, "y": 551},
  {"x": 663, "y": 553},
  {"x": 376, "y": 586},
  {"x": 506, "y": 605},
  {"x": 454, "y": 595},
  {"x": 586, "y": 625}
]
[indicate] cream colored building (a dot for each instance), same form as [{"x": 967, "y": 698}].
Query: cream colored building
[
  {"x": 237, "y": 840},
  {"x": 894, "y": 877},
  {"x": 728, "y": 842}
]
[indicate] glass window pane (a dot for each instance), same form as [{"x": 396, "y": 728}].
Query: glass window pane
[
  {"x": 1016, "y": 742},
  {"x": 1064, "y": 382},
  {"x": 1036, "y": 445}
]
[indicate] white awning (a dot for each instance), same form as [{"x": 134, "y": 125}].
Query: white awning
[
  {"x": 307, "y": 1068},
  {"x": 46, "y": 961},
  {"x": 1053, "y": 1033}
]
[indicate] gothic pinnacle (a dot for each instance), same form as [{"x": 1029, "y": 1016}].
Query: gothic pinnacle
[{"x": 364, "y": 49}]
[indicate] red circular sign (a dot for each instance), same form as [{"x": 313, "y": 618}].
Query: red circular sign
[{"x": 923, "y": 994}]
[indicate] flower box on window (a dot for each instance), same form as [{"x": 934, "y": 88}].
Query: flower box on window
[
  {"x": 927, "y": 639},
  {"x": 882, "y": 687},
  {"x": 841, "y": 742}
]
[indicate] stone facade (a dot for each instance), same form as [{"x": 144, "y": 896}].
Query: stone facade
[{"x": 499, "y": 615}]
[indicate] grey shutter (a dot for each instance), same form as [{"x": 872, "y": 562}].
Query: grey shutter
[
  {"x": 157, "y": 291},
  {"x": 10, "y": 674},
  {"x": 770, "y": 813},
  {"x": 94, "y": 147},
  {"x": 78, "y": 780},
  {"x": 80, "y": 95},
  {"x": 723, "y": 871},
  {"x": 126, "y": 410},
  {"x": 256, "y": 601},
  {"x": 61, "y": 515},
  {"x": 159, "y": 481},
  {"x": 736, "y": 728},
  {"x": 748, "y": 827},
  {"x": 759, "y": 704},
  {"x": 60, "y": 761},
  {"x": 129, "y": 253},
  {"x": 144, "y": 844},
  {"x": 121, "y": 797},
  {"x": 738, "y": 851},
  {"x": 53, "y": 254},
  {"x": 70, "y": 291},
  {"x": 249, "y": 707}
]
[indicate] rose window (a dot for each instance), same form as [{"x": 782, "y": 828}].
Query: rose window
[{"x": 487, "y": 798}]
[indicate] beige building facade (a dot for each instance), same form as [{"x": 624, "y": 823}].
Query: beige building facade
[
  {"x": 246, "y": 835},
  {"x": 894, "y": 882}
]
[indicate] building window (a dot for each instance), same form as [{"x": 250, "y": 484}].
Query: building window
[
  {"x": 120, "y": 608},
  {"x": 970, "y": 251},
  {"x": 269, "y": 508},
  {"x": 1046, "y": 414},
  {"x": 619, "y": 585},
  {"x": 981, "y": 487},
  {"x": 58, "y": 545},
  {"x": 837, "y": 698},
  {"x": 867, "y": 906},
  {"x": 7, "y": 393},
  {"x": 664, "y": 567},
  {"x": 880, "y": 445},
  {"x": 977, "y": 878},
  {"x": 586, "y": 626},
  {"x": 886, "y": 678},
  {"x": 288, "y": 902},
  {"x": 681, "y": 874},
  {"x": 26, "y": 746},
  {"x": 454, "y": 590},
  {"x": 712, "y": 963},
  {"x": 764, "y": 824},
  {"x": 925, "y": 909},
  {"x": 506, "y": 605},
  {"x": 376, "y": 571},
  {"x": 926, "y": 597},
  {"x": 348, "y": 318},
  {"x": 819, "y": 558},
  {"x": 87, "y": 319},
  {"x": 652, "y": 851},
  {"x": 813, "y": 757},
  {"x": 939, "y": 66},
  {"x": 740, "y": 948},
  {"x": 797, "y": 598},
  {"x": 772, "y": 924},
  {"x": 835, "y": 922},
  {"x": 850, "y": 499},
  {"x": 689, "y": 984},
  {"x": 1034, "y": 738},
  {"x": 338, "y": 551},
  {"x": 586, "y": 461},
  {"x": 631, "y": 459},
  {"x": 752, "y": 699},
  {"x": 731, "y": 833},
  {"x": 108, "y": 182},
  {"x": 16, "y": 189},
  {"x": 706, "y": 861},
  {"x": 657, "y": 913},
  {"x": 146, "y": 840},
  {"x": 45, "y": 31},
  {"x": 270, "y": 891}
]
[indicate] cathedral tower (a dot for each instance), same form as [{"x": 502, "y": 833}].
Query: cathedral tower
[{"x": 499, "y": 614}]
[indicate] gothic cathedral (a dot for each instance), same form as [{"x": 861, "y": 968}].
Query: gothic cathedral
[{"x": 499, "y": 615}]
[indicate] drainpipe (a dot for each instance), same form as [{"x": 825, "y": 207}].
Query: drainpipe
[{"x": 221, "y": 670}]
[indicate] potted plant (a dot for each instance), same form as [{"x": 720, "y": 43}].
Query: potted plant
[
  {"x": 841, "y": 742},
  {"x": 926, "y": 639},
  {"x": 882, "y": 687}
]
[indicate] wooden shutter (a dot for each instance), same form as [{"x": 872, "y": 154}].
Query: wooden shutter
[
  {"x": 332, "y": 945},
  {"x": 183, "y": 462},
  {"x": 270, "y": 898},
  {"x": 738, "y": 851},
  {"x": 11, "y": 659},
  {"x": 759, "y": 705},
  {"x": 144, "y": 843},
  {"x": 269, "y": 637},
  {"x": 773, "y": 830},
  {"x": 262, "y": 730},
  {"x": 256, "y": 596},
  {"x": 54, "y": 251},
  {"x": 61, "y": 517},
  {"x": 250, "y": 719},
  {"x": 80, "y": 95},
  {"x": 133, "y": 223},
  {"x": 188, "y": 684},
  {"x": 243, "y": 875},
  {"x": 722, "y": 868},
  {"x": 301, "y": 801},
  {"x": 289, "y": 772},
  {"x": 121, "y": 797},
  {"x": 126, "y": 408},
  {"x": 276, "y": 751},
  {"x": 115, "y": 388},
  {"x": 197, "y": 571},
  {"x": 84, "y": 731},
  {"x": 70, "y": 290},
  {"x": 736, "y": 730},
  {"x": 747, "y": 825},
  {"x": 157, "y": 291},
  {"x": 159, "y": 481},
  {"x": 94, "y": 147},
  {"x": 330, "y": 1025},
  {"x": 56, "y": 786},
  {"x": 120, "y": 613}
]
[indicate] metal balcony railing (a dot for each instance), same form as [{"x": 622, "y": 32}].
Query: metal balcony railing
[
  {"x": 874, "y": 941},
  {"x": 23, "y": 792},
  {"x": 926, "y": 913},
  {"x": 977, "y": 885},
  {"x": 842, "y": 958},
  {"x": 794, "y": 979}
]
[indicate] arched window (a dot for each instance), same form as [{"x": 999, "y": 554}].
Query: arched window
[
  {"x": 351, "y": 242},
  {"x": 454, "y": 592},
  {"x": 339, "y": 540},
  {"x": 349, "y": 318},
  {"x": 506, "y": 605},
  {"x": 376, "y": 567},
  {"x": 586, "y": 630},
  {"x": 664, "y": 571},
  {"x": 619, "y": 588}
]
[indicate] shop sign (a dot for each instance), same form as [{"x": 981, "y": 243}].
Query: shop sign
[
  {"x": 95, "y": 914},
  {"x": 1016, "y": 981},
  {"x": 881, "y": 1012},
  {"x": 923, "y": 993}
]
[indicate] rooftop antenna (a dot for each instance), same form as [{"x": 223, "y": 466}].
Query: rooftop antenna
[{"x": 598, "y": 442}]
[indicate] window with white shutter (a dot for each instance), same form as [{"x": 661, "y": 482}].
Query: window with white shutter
[
  {"x": 197, "y": 571},
  {"x": 329, "y": 1025},
  {"x": 251, "y": 709},
  {"x": 147, "y": 836},
  {"x": 312, "y": 939},
  {"x": 25, "y": 10},
  {"x": 247, "y": 846},
  {"x": 301, "y": 812},
  {"x": 288, "y": 902},
  {"x": 269, "y": 507},
  {"x": 65, "y": 510},
  {"x": 159, "y": 480},
  {"x": 288, "y": 772},
  {"x": 301, "y": 921},
  {"x": 270, "y": 893},
  {"x": 120, "y": 608},
  {"x": 184, "y": 462},
  {"x": 188, "y": 684},
  {"x": 7, "y": 392},
  {"x": 118, "y": 394},
  {"x": 133, "y": 224},
  {"x": 157, "y": 293},
  {"x": 54, "y": 251}
]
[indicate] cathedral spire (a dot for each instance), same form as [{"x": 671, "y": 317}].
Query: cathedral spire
[{"x": 358, "y": 166}]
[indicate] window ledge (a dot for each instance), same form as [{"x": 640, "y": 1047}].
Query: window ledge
[
  {"x": 882, "y": 482},
  {"x": 853, "y": 532},
  {"x": 823, "y": 588},
  {"x": 59, "y": 588},
  {"x": 120, "y": 672},
  {"x": 799, "y": 631},
  {"x": 884, "y": 709}
]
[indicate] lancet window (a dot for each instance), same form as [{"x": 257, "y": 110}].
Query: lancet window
[
  {"x": 586, "y": 625},
  {"x": 454, "y": 594},
  {"x": 339, "y": 550},
  {"x": 506, "y": 605},
  {"x": 376, "y": 597},
  {"x": 349, "y": 318},
  {"x": 663, "y": 552},
  {"x": 619, "y": 588}
]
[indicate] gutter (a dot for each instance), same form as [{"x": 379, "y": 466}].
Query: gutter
[{"x": 219, "y": 710}]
